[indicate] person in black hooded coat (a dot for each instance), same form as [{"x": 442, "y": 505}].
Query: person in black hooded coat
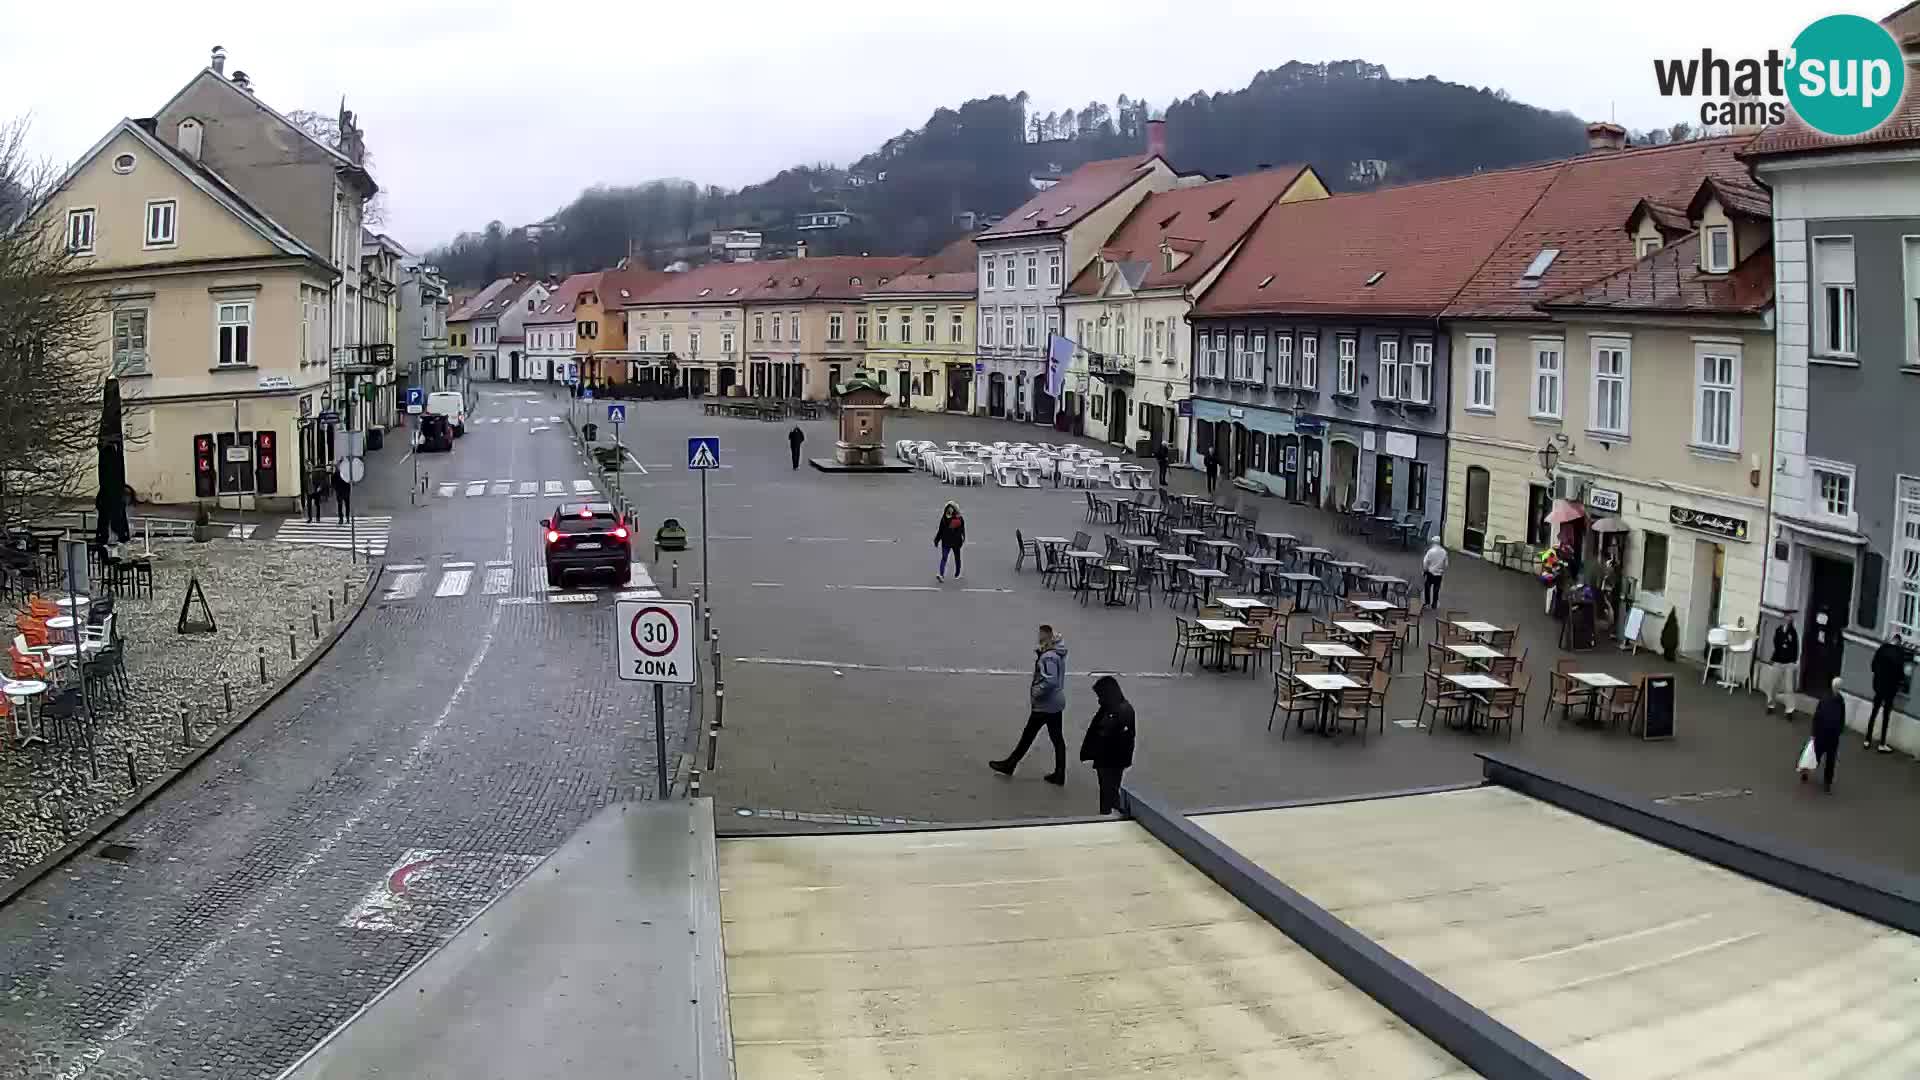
[{"x": 1109, "y": 740}]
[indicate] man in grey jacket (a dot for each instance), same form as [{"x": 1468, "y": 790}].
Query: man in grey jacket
[{"x": 1048, "y": 696}]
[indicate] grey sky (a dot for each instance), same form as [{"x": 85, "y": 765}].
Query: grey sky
[{"x": 488, "y": 110}]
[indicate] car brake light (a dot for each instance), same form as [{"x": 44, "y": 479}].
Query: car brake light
[
  {"x": 586, "y": 513},
  {"x": 553, "y": 536},
  {"x": 620, "y": 533}
]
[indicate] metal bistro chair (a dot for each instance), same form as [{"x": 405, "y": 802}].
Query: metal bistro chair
[
  {"x": 1028, "y": 550},
  {"x": 1290, "y": 699}
]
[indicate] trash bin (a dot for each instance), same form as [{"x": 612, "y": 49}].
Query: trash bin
[{"x": 589, "y": 432}]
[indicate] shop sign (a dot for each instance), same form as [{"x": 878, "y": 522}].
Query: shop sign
[
  {"x": 1310, "y": 425},
  {"x": 1185, "y": 407},
  {"x": 1236, "y": 414},
  {"x": 1366, "y": 439},
  {"x": 1604, "y": 499},
  {"x": 1686, "y": 517},
  {"x": 1402, "y": 445}
]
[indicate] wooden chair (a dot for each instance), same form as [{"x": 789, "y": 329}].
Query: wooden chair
[
  {"x": 1361, "y": 668},
  {"x": 1380, "y": 648},
  {"x": 1561, "y": 692},
  {"x": 1352, "y": 704},
  {"x": 1416, "y": 608},
  {"x": 1503, "y": 668},
  {"x": 1244, "y": 644},
  {"x": 1435, "y": 696},
  {"x": 1502, "y": 640},
  {"x": 1523, "y": 686},
  {"x": 1188, "y": 638},
  {"x": 1377, "y": 696},
  {"x": 1622, "y": 704},
  {"x": 1502, "y": 706},
  {"x": 1291, "y": 699}
]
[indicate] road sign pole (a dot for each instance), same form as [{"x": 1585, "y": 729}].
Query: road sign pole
[
  {"x": 706, "y": 586},
  {"x": 660, "y": 736}
]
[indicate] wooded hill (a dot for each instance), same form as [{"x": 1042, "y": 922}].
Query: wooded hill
[{"x": 1353, "y": 122}]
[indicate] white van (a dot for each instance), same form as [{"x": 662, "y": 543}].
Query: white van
[{"x": 449, "y": 404}]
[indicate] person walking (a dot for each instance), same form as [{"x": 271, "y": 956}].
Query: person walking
[
  {"x": 1161, "y": 456},
  {"x": 316, "y": 491},
  {"x": 948, "y": 537},
  {"x": 1776, "y": 677},
  {"x": 1829, "y": 723},
  {"x": 794, "y": 439},
  {"x": 1889, "y": 661},
  {"x": 342, "y": 498},
  {"x": 1213, "y": 468},
  {"x": 1109, "y": 740},
  {"x": 1048, "y": 700},
  {"x": 1434, "y": 566}
]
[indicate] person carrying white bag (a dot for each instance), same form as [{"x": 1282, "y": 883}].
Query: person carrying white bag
[{"x": 1829, "y": 723}]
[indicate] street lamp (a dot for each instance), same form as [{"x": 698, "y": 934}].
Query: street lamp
[{"x": 1549, "y": 457}]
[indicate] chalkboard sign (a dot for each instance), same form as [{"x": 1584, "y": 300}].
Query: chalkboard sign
[{"x": 1656, "y": 706}]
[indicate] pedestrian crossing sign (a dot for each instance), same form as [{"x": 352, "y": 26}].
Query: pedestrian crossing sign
[
  {"x": 616, "y": 414},
  {"x": 703, "y": 452}
]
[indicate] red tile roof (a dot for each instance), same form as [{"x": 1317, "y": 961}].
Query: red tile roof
[
  {"x": 1583, "y": 214},
  {"x": 1900, "y": 129},
  {"x": 1425, "y": 240},
  {"x": 557, "y": 308},
  {"x": 714, "y": 283},
  {"x": 835, "y": 277},
  {"x": 618, "y": 287},
  {"x": 1205, "y": 221},
  {"x": 953, "y": 269},
  {"x": 1670, "y": 281},
  {"x": 1084, "y": 190}
]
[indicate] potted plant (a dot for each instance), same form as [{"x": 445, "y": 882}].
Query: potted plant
[
  {"x": 1670, "y": 638},
  {"x": 202, "y": 524}
]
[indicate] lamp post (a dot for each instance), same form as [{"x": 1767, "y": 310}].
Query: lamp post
[{"x": 1549, "y": 458}]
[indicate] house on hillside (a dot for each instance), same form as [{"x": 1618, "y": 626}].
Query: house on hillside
[{"x": 822, "y": 219}]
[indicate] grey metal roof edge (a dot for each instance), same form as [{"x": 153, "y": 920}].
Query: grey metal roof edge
[
  {"x": 1484, "y": 1044},
  {"x": 1886, "y": 897},
  {"x": 1335, "y": 800}
]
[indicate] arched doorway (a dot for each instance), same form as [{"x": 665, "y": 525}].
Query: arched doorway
[
  {"x": 1474, "y": 539},
  {"x": 1043, "y": 404},
  {"x": 997, "y": 394},
  {"x": 1310, "y": 467},
  {"x": 1117, "y": 409},
  {"x": 727, "y": 379},
  {"x": 1020, "y": 395},
  {"x": 1344, "y": 473}
]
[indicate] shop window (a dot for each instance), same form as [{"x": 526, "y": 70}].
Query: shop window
[{"x": 1653, "y": 563}]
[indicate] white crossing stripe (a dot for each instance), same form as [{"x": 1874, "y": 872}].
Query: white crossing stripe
[
  {"x": 640, "y": 578},
  {"x": 241, "y": 532},
  {"x": 518, "y": 600},
  {"x": 454, "y": 583},
  {"x": 583, "y": 487},
  {"x": 571, "y": 598},
  {"x": 394, "y": 568},
  {"x": 446, "y": 491},
  {"x": 404, "y": 586},
  {"x": 467, "y": 565},
  {"x": 500, "y": 487},
  {"x": 499, "y": 580},
  {"x": 554, "y": 487},
  {"x": 368, "y": 535},
  {"x": 639, "y": 594},
  {"x": 528, "y": 487},
  {"x": 476, "y": 487},
  {"x": 553, "y": 419}
]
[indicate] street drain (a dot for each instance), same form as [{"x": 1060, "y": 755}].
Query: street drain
[
  {"x": 1703, "y": 796},
  {"x": 117, "y": 852}
]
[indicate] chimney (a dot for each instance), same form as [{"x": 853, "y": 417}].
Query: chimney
[
  {"x": 240, "y": 80},
  {"x": 1157, "y": 137},
  {"x": 1605, "y": 135},
  {"x": 219, "y": 64}
]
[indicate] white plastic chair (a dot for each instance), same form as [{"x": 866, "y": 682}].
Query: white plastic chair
[
  {"x": 1004, "y": 476},
  {"x": 1029, "y": 476},
  {"x": 1739, "y": 659},
  {"x": 1117, "y": 479},
  {"x": 1717, "y": 641},
  {"x": 1140, "y": 482}
]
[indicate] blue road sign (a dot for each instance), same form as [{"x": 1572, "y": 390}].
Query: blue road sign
[
  {"x": 616, "y": 414},
  {"x": 586, "y": 393},
  {"x": 416, "y": 395},
  {"x": 703, "y": 452}
]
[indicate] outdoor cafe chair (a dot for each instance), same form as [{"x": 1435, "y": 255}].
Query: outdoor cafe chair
[
  {"x": 1436, "y": 697},
  {"x": 1502, "y": 640},
  {"x": 1622, "y": 703},
  {"x": 1290, "y": 700},
  {"x": 1361, "y": 668},
  {"x": 1351, "y": 705},
  {"x": 1377, "y": 696},
  {"x": 1244, "y": 645},
  {"x": 1188, "y": 638},
  {"x": 1501, "y": 708},
  {"x": 1416, "y": 607},
  {"x": 1028, "y": 550},
  {"x": 1503, "y": 668},
  {"x": 1093, "y": 508},
  {"x": 1003, "y": 476},
  {"x": 1562, "y": 693}
]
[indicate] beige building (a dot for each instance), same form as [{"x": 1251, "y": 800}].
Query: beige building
[
  {"x": 918, "y": 330},
  {"x": 214, "y": 317},
  {"x": 686, "y": 329}
]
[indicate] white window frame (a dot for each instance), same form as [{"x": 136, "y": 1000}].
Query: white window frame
[
  {"x": 1053, "y": 268},
  {"x": 1709, "y": 235},
  {"x": 986, "y": 328},
  {"x": 1310, "y": 361},
  {"x": 906, "y": 325},
  {"x": 1033, "y": 268},
  {"x": 726, "y": 343},
  {"x": 930, "y": 326},
  {"x": 1420, "y": 390},
  {"x": 666, "y": 339},
  {"x": 1554, "y": 379},
  {"x": 1237, "y": 358},
  {"x": 988, "y": 276},
  {"x": 836, "y": 325},
  {"x": 860, "y": 326},
  {"x": 1346, "y": 350},
  {"x": 693, "y": 343},
  {"x": 1624, "y": 346},
  {"x": 241, "y": 349},
  {"x": 759, "y": 328},
  {"x": 1031, "y": 329},
  {"x": 170, "y": 237},
  {"x": 640, "y": 342},
  {"x": 1910, "y": 269},
  {"x": 1719, "y": 354},
  {"x": 1483, "y": 359},
  {"x": 1646, "y": 245},
  {"x": 80, "y": 227},
  {"x": 1817, "y": 507},
  {"x": 132, "y": 360},
  {"x": 1829, "y": 295},
  {"x": 1283, "y": 359},
  {"x": 1903, "y": 569},
  {"x": 1052, "y": 327},
  {"x": 956, "y": 327},
  {"x": 1387, "y": 353},
  {"x": 1006, "y": 327},
  {"x": 1257, "y": 367}
]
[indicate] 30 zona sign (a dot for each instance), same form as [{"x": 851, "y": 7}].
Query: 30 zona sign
[{"x": 653, "y": 641}]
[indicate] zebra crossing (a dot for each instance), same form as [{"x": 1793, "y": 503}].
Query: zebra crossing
[
  {"x": 368, "y": 534},
  {"x": 516, "y": 489},
  {"x": 454, "y": 580}
]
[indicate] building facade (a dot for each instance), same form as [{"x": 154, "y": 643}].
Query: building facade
[
  {"x": 679, "y": 330},
  {"x": 1845, "y": 563},
  {"x": 423, "y": 342},
  {"x": 918, "y": 331},
  {"x": 552, "y": 332},
  {"x": 810, "y": 310}
]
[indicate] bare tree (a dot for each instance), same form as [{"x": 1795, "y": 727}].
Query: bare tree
[
  {"x": 51, "y": 378},
  {"x": 326, "y": 129}
]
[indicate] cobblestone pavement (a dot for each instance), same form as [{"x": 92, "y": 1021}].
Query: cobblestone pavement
[
  {"x": 48, "y": 793},
  {"x": 434, "y": 754}
]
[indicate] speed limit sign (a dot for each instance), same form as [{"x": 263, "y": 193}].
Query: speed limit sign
[{"x": 654, "y": 641}]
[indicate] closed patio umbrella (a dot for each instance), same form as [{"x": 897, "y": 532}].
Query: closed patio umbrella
[
  {"x": 1564, "y": 511},
  {"x": 1610, "y": 525},
  {"x": 111, "y": 502}
]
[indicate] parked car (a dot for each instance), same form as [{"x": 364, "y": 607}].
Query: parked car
[
  {"x": 436, "y": 433},
  {"x": 450, "y": 404},
  {"x": 585, "y": 539}
]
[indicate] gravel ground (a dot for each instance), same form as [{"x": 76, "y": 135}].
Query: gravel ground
[{"x": 48, "y": 794}]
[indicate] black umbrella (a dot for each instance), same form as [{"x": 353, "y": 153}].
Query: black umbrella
[{"x": 111, "y": 502}]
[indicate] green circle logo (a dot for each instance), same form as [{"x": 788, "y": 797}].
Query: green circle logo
[{"x": 1848, "y": 75}]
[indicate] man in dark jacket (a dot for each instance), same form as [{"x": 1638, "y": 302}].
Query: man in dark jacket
[
  {"x": 1776, "y": 679},
  {"x": 1160, "y": 456},
  {"x": 1109, "y": 741},
  {"x": 1048, "y": 695},
  {"x": 1213, "y": 469},
  {"x": 1829, "y": 723},
  {"x": 1889, "y": 665},
  {"x": 794, "y": 439},
  {"x": 949, "y": 537},
  {"x": 342, "y": 498}
]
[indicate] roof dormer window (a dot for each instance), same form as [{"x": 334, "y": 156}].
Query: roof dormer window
[
  {"x": 1645, "y": 246},
  {"x": 1030, "y": 215},
  {"x": 704, "y": 292},
  {"x": 1537, "y": 269},
  {"x": 1717, "y": 249},
  {"x": 1067, "y": 209},
  {"x": 1374, "y": 278},
  {"x": 1214, "y": 214}
]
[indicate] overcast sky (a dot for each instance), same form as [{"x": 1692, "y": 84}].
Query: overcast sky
[{"x": 486, "y": 110}]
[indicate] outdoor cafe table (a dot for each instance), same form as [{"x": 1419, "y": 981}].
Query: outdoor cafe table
[
  {"x": 1326, "y": 685},
  {"x": 1477, "y": 628},
  {"x": 1185, "y": 538},
  {"x": 1368, "y": 605},
  {"x": 71, "y": 602},
  {"x": 1381, "y": 582},
  {"x": 1300, "y": 582},
  {"x": 1149, "y": 517},
  {"x": 1116, "y": 574},
  {"x": 1594, "y": 683},
  {"x": 1221, "y": 630},
  {"x": 20, "y": 695},
  {"x": 1240, "y": 603},
  {"x": 1335, "y": 651},
  {"x": 1348, "y": 570},
  {"x": 1140, "y": 545},
  {"x": 1218, "y": 547},
  {"x": 1263, "y": 567},
  {"x": 1312, "y": 554},
  {"x": 63, "y": 624},
  {"x": 1272, "y": 541},
  {"x": 1475, "y": 686},
  {"x": 1205, "y": 578},
  {"x": 1082, "y": 560},
  {"x": 1359, "y": 629}
]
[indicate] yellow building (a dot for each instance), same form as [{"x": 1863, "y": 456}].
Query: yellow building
[
  {"x": 918, "y": 331},
  {"x": 803, "y": 322},
  {"x": 214, "y": 318}
]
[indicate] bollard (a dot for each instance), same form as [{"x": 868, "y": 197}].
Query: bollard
[
  {"x": 676, "y": 573},
  {"x": 713, "y": 744},
  {"x": 133, "y": 776},
  {"x": 330, "y": 614},
  {"x": 313, "y": 610},
  {"x": 261, "y": 652},
  {"x": 693, "y": 785},
  {"x": 697, "y": 610},
  {"x": 293, "y": 644},
  {"x": 226, "y": 687},
  {"x": 719, "y": 705},
  {"x": 345, "y": 593},
  {"x": 186, "y": 727}
]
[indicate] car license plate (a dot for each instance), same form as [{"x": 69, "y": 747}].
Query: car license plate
[{"x": 586, "y": 547}]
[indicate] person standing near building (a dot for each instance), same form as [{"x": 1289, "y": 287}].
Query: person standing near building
[
  {"x": 316, "y": 491},
  {"x": 794, "y": 439},
  {"x": 949, "y": 536},
  {"x": 1829, "y": 723},
  {"x": 1434, "y": 565},
  {"x": 1213, "y": 467},
  {"x": 1160, "y": 457},
  {"x": 1776, "y": 681},
  {"x": 1109, "y": 740},
  {"x": 342, "y": 498},
  {"x": 1047, "y": 701},
  {"x": 1889, "y": 663}
]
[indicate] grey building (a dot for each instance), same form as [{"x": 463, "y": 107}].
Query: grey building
[
  {"x": 1845, "y": 546},
  {"x": 421, "y": 351}
]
